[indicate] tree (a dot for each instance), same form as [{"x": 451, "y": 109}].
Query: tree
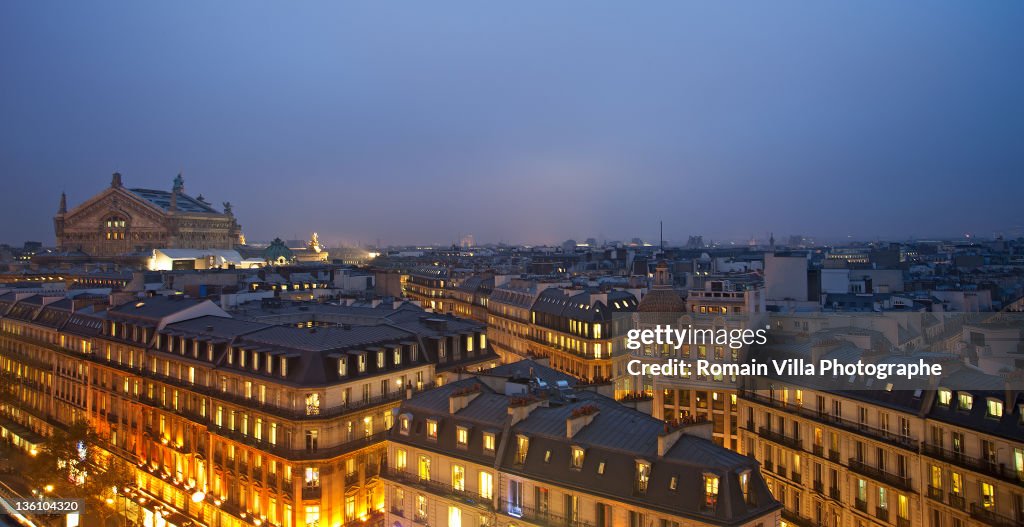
[{"x": 71, "y": 465}]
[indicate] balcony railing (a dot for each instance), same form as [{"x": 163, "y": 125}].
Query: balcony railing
[
  {"x": 991, "y": 517},
  {"x": 882, "y": 514},
  {"x": 439, "y": 488},
  {"x": 983, "y": 466},
  {"x": 781, "y": 439},
  {"x": 833, "y": 493},
  {"x": 902, "y": 482},
  {"x": 835, "y": 421},
  {"x": 956, "y": 501},
  {"x": 861, "y": 505},
  {"x": 311, "y": 492},
  {"x": 902, "y": 522},
  {"x": 303, "y": 454},
  {"x": 793, "y": 518},
  {"x": 935, "y": 493},
  {"x": 540, "y": 517}
]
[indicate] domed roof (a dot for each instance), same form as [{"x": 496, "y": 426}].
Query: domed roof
[
  {"x": 661, "y": 301},
  {"x": 662, "y": 298}
]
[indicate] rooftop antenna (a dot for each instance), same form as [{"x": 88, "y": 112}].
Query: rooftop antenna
[{"x": 661, "y": 235}]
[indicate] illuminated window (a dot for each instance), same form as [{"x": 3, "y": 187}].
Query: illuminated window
[
  {"x": 745, "y": 485},
  {"x": 432, "y": 429},
  {"x": 522, "y": 445},
  {"x": 342, "y": 367},
  {"x": 600, "y": 468},
  {"x": 458, "y": 477},
  {"x": 421, "y": 507},
  {"x": 312, "y": 515},
  {"x": 994, "y": 407},
  {"x": 312, "y": 477},
  {"x": 424, "y": 468},
  {"x": 486, "y": 485},
  {"x": 454, "y": 516},
  {"x": 710, "y": 491},
  {"x": 404, "y": 425},
  {"x": 400, "y": 459},
  {"x": 312, "y": 404},
  {"x": 489, "y": 441},
  {"x": 643, "y": 476},
  {"x": 577, "y": 457},
  {"x": 988, "y": 496},
  {"x": 965, "y": 401},
  {"x": 462, "y": 436}
]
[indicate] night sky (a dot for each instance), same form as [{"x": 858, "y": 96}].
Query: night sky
[{"x": 524, "y": 122}]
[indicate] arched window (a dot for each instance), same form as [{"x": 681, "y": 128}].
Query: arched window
[{"x": 115, "y": 227}]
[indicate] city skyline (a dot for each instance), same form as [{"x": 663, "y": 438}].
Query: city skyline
[{"x": 417, "y": 125}]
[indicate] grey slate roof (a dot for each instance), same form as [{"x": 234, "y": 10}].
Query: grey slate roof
[{"x": 617, "y": 437}]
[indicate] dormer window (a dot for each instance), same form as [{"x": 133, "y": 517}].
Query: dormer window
[
  {"x": 404, "y": 425},
  {"x": 432, "y": 429},
  {"x": 462, "y": 437},
  {"x": 577, "y": 457},
  {"x": 745, "y": 485},
  {"x": 965, "y": 401},
  {"x": 600, "y": 468},
  {"x": 522, "y": 446},
  {"x": 342, "y": 367},
  {"x": 945, "y": 396},
  {"x": 380, "y": 360},
  {"x": 362, "y": 363},
  {"x": 255, "y": 361},
  {"x": 489, "y": 441},
  {"x": 284, "y": 367},
  {"x": 469, "y": 343},
  {"x": 673, "y": 483},
  {"x": 710, "y": 492},
  {"x": 643, "y": 476},
  {"x": 398, "y": 356},
  {"x": 994, "y": 408}
]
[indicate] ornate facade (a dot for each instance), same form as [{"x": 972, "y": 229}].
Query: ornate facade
[{"x": 120, "y": 221}]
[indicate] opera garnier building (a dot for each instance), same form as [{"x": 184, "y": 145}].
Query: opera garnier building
[{"x": 121, "y": 220}]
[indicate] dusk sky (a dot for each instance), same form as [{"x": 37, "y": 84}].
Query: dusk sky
[{"x": 524, "y": 122}]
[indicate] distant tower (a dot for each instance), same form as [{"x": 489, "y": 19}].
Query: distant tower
[
  {"x": 63, "y": 209},
  {"x": 771, "y": 242}
]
